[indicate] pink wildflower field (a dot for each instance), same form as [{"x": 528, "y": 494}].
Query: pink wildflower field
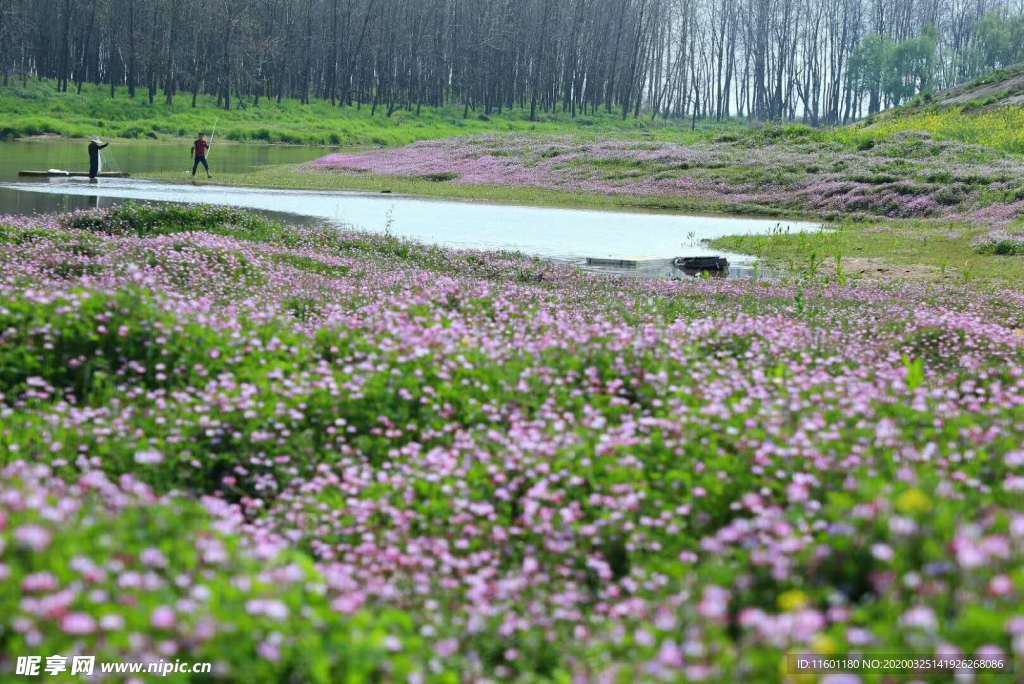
[
  {"x": 317, "y": 456},
  {"x": 908, "y": 175}
]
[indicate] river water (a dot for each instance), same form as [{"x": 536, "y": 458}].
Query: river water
[{"x": 564, "y": 234}]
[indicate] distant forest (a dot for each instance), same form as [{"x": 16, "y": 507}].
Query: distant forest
[{"x": 820, "y": 61}]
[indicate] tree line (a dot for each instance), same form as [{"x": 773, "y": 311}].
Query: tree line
[{"x": 820, "y": 61}]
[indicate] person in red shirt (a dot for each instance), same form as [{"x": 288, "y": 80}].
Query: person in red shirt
[{"x": 199, "y": 149}]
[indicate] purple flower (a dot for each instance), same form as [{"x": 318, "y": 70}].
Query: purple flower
[
  {"x": 163, "y": 618},
  {"x": 714, "y": 604},
  {"x": 921, "y": 617},
  {"x": 34, "y": 537},
  {"x": 78, "y": 624},
  {"x": 148, "y": 457}
]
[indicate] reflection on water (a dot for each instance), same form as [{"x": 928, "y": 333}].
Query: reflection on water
[
  {"x": 133, "y": 157},
  {"x": 29, "y": 202},
  {"x": 14, "y": 202},
  {"x": 143, "y": 157}
]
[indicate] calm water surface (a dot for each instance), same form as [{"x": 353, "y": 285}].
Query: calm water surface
[
  {"x": 143, "y": 157},
  {"x": 572, "y": 234}
]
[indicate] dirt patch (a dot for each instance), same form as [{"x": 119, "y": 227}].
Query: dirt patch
[{"x": 873, "y": 268}]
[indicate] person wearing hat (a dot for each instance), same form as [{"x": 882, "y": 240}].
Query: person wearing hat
[{"x": 95, "y": 145}]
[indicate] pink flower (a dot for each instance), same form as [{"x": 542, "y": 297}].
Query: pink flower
[
  {"x": 39, "y": 581},
  {"x": 349, "y": 603},
  {"x": 163, "y": 618},
  {"x": 921, "y": 617},
  {"x": 670, "y": 655},
  {"x": 88, "y": 569},
  {"x": 990, "y": 652},
  {"x": 446, "y": 647},
  {"x": 111, "y": 622},
  {"x": 1014, "y": 483},
  {"x": 882, "y": 552},
  {"x": 32, "y": 537},
  {"x": 664, "y": 619},
  {"x": 270, "y": 649},
  {"x": 1000, "y": 585},
  {"x": 149, "y": 457},
  {"x": 714, "y": 604},
  {"x": 269, "y": 607},
  {"x": 78, "y": 623},
  {"x": 153, "y": 557}
]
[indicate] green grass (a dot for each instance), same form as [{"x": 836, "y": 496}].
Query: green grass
[
  {"x": 902, "y": 249},
  {"x": 999, "y": 128},
  {"x": 980, "y": 115},
  {"x": 38, "y": 109}
]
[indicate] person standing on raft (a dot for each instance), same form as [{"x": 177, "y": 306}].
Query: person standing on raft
[
  {"x": 95, "y": 145},
  {"x": 199, "y": 149}
]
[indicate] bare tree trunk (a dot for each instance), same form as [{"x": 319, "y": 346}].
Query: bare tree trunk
[
  {"x": 65, "y": 50},
  {"x": 80, "y": 76},
  {"x": 131, "y": 48}
]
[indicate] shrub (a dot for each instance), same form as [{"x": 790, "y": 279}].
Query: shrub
[
  {"x": 149, "y": 219},
  {"x": 1000, "y": 243}
]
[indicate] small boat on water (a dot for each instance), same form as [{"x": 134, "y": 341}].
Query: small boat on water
[
  {"x": 702, "y": 263},
  {"x": 60, "y": 173}
]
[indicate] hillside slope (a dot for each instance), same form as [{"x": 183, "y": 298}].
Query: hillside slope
[
  {"x": 999, "y": 88},
  {"x": 989, "y": 111}
]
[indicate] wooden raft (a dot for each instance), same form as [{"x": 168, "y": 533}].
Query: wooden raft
[{"x": 54, "y": 173}]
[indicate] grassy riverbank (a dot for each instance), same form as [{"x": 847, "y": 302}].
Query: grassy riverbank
[
  {"x": 905, "y": 206},
  {"x": 913, "y": 250},
  {"x": 38, "y": 109},
  {"x": 320, "y": 456}
]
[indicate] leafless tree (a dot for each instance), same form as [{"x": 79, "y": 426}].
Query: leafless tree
[{"x": 819, "y": 61}]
